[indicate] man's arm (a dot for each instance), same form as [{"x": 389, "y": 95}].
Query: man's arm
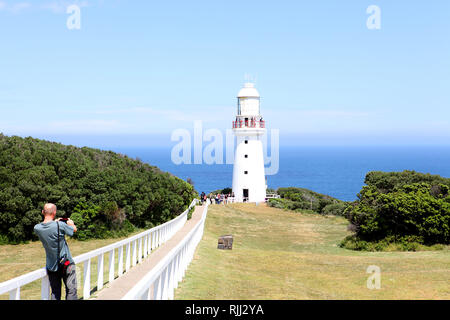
[{"x": 72, "y": 224}]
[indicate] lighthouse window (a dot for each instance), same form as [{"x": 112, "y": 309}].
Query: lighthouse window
[
  {"x": 246, "y": 156},
  {"x": 245, "y": 172},
  {"x": 246, "y": 141}
]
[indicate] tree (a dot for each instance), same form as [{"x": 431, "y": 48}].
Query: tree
[{"x": 398, "y": 205}]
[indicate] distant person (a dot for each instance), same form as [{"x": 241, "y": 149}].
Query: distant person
[
  {"x": 59, "y": 262},
  {"x": 202, "y": 197}
]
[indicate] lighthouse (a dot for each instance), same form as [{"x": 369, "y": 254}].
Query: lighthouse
[{"x": 249, "y": 183}]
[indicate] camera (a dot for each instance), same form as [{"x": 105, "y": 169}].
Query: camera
[{"x": 64, "y": 220}]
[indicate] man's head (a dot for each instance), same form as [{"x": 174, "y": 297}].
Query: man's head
[{"x": 49, "y": 210}]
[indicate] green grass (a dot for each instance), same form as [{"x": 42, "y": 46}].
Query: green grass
[{"x": 279, "y": 254}]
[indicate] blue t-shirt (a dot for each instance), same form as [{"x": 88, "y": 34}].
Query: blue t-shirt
[{"x": 47, "y": 233}]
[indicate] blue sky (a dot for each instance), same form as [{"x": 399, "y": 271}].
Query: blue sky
[{"x": 137, "y": 70}]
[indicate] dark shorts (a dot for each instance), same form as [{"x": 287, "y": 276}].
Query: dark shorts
[{"x": 69, "y": 277}]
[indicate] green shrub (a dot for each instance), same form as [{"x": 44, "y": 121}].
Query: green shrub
[
  {"x": 352, "y": 242},
  {"x": 407, "y": 209},
  {"x": 303, "y": 200},
  {"x": 336, "y": 209},
  {"x": 191, "y": 211},
  {"x": 277, "y": 203},
  {"x": 410, "y": 210},
  {"x": 226, "y": 190}
]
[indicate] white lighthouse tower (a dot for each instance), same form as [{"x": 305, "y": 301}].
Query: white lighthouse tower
[{"x": 248, "y": 172}]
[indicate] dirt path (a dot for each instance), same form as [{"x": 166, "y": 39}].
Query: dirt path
[{"x": 119, "y": 287}]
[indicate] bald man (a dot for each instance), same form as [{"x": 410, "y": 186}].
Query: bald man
[{"x": 47, "y": 232}]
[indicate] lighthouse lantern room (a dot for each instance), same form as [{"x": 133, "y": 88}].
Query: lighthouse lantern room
[{"x": 249, "y": 183}]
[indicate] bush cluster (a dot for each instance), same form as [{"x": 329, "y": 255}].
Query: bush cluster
[
  {"x": 406, "y": 207},
  {"x": 227, "y": 190},
  {"x": 405, "y": 243},
  {"x": 105, "y": 193},
  {"x": 299, "y": 199}
]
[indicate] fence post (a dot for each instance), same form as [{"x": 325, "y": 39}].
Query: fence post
[
  {"x": 152, "y": 241},
  {"x": 159, "y": 237},
  {"x": 169, "y": 281},
  {"x": 180, "y": 271},
  {"x": 145, "y": 294},
  {"x": 145, "y": 246},
  {"x": 14, "y": 294},
  {"x": 111, "y": 266},
  {"x": 100, "y": 272},
  {"x": 134, "y": 253},
  {"x": 45, "y": 288},
  {"x": 87, "y": 279},
  {"x": 177, "y": 269},
  {"x": 140, "y": 250},
  {"x": 150, "y": 236},
  {"x": 127, "y": 254},
  {"x": 120, "y": 267},
  {"x": 157, "y": 288},
  {"x": 164, "y": 284},
  {"x": 185, "y": 259}
]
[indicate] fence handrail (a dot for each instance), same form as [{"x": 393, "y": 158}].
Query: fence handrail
[
  {"x": 141, "y": 289},
  {"x": 159, "y": 234},
  {"x": 22, "y": 280}
]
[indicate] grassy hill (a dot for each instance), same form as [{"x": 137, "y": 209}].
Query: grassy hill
[
  {"x": 105, "y": 193},
  {"x": 279, "y": 254}
]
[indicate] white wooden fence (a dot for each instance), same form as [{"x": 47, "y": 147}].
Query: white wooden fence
[
  {"x": 136, "y": 248},
  {"x": 163, "y": 279}
]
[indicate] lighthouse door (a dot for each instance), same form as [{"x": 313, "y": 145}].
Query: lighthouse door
[{"x": 245, "y": 192}]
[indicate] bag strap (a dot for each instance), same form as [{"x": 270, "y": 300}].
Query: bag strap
[{"x": 57, "y": 239}]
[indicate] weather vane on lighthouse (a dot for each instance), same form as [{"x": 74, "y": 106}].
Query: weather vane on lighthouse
[{"x": 249, "y": 184}]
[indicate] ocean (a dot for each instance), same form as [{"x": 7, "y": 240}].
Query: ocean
[{"x": 335, "y": 171}]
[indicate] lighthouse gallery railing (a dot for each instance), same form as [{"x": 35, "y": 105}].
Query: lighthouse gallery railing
[{"x": 249, "y": 124}]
